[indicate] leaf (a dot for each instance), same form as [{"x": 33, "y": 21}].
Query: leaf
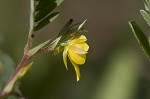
[
  {"x": 45, "y": 10},
  {"x": 6, "y": 68},
  {"x": 42, "y": 4},
  {"x": 149, "y": 40},
  {"x": 140, "y": 36},
  {"x": 145, "y": 16},
  {"x": 46, "y": 21},
  {"x": 147, "y": 5},
  {"x": 33, "y": 51}
]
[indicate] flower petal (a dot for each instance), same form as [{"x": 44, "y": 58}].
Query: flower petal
[
  {"x": 65, "y": 57},
  {"x": 82, "y": 46},
  {"x": 80, "y": 39},
  {"x": 77, "y": 58},
  {"x": 76, "y": 67},
  {"x": 77, "y": 49}
]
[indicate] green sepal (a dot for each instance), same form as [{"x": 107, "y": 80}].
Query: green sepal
[
  {"x": 145, "y": 16},
  {"x": 68, "y": 31},
  {"x": 55, "y": 43},
  {"x": 58, "y": 50},
  {"x": 140, "y": 36},
  {"x": 72, "y": 31},
  {"x": 35, "y": 50},
  {"x": 65, "y": 57},
  {"x": 46, "y": 21},
  {"x": 65, "y": 26}
]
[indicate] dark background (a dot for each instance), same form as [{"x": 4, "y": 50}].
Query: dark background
[{"x": 116, "y": 66}]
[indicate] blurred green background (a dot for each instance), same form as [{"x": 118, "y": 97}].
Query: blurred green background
[{"x": 116, "y": 66}]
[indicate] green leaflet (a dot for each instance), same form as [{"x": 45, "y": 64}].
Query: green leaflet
[
  {"x": 145, "y": 16},
  {"x": 140, "y": 36},
  {"x": 147, "y": 5},
  {"x": 43, "y": 3},
  {"x": 45, "y": 7},
  {"x": 46, "y": 21},
  {"x": 44, "y": 12}
]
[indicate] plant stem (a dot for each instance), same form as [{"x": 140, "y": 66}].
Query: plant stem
[
  {"x": 26, "y": 57},
  {"x": 20, "y": 66}
]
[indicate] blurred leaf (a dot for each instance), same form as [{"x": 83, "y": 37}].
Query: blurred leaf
[
  {"x": 11, "y": 97},
  {"x": 46, "y": 21},
  {"x": 0, "y": 67},
  {"x": 147, "y": 5},
  {"x": 120, "y": 80},
  {"x": 145, "y": 16},
  {"x": 140, "y": 36},
  {"x": 6, "y": 69},
  {"x": 149, "y": 40}
]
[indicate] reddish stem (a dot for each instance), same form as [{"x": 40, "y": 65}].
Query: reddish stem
[{"x": 20, "y": 66}]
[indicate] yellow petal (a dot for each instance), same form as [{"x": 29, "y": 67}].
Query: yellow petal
[
  {"x": 77, "y": 49},
  {"x": 77, "y": 58},
  {"x": 76, "y": 67},
  {"x": 82, "y": 46},
  {"x": 65, "y": 57},
  {"x": 79, "y": 39}
]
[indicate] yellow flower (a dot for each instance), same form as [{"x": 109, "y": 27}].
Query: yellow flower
[{"x": 76, "y": 49}]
